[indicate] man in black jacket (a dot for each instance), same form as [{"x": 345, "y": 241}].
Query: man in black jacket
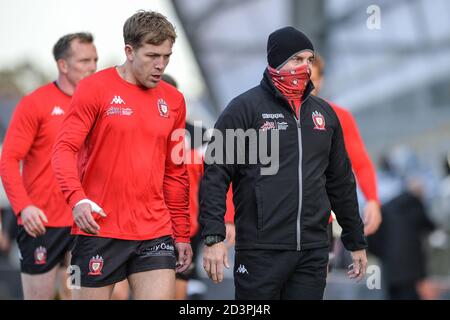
[{"x": 282, "y": 206}]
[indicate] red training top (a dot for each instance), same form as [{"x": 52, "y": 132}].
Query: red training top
[
  {"x": 128, "y": 163},
  {"x": 195, "y": 170},
  {"x": 30, "y": 137},
  {"x": 361, "y": 164}
]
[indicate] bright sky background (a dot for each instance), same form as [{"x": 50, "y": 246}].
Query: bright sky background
[{"x": 30, "y": 28}]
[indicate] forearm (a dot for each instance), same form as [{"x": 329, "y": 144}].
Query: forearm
[
  {"x": 13, "y": 183},
  {"x": 176, "y": 195},
  {"x": 64, "y": 164}
]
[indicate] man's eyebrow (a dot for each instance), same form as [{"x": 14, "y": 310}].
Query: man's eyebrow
[
  {"x": 158, "y": 54},
  {"x": 298, "y": 55}
]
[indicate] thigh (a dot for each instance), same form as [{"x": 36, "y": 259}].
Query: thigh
[
  {"x": 181, "y": 287},
  {"x": 41, "y": 254},
  {"x": 153, "y": 285},
  {"x": 308, "y": 280},
  {"x": 39, "y": 286},
  {"x": 101, "y": 261},
  {"x": 121, "y": 291},
  {"x": 85, "y": 293},
  {"x": 260, "y": 274}
]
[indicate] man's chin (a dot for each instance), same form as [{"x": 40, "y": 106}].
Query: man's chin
[{"x": 150, "y": 84}]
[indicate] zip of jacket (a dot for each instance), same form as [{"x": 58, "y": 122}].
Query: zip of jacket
[{"x": 300, "y": 158}]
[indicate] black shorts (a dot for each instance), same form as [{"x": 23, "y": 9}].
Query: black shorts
[
  {"x": 275, "y": 275},
  {"x": 104, "y": 261},
  {"x": 41, "y": 254}
]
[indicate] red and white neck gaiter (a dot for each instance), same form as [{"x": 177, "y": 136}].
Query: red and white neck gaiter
[{"x": 292, "y": 84}]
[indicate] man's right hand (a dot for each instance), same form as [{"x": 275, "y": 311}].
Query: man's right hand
[
  {"x": 82, "y": 215},
  {"x": 214, "y": 258},
  {"x": 359, "y": 266},
  {"x": 32, "y": 219}
]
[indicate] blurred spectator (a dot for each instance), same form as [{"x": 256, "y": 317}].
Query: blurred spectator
[
  {"x": 399, "y": 241},
  {"x": 441, "y": 205}
]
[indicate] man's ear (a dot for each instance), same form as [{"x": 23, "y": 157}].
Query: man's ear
[
  {"x": 62, "y": 66},
  {"x": 129, "y": 52}
]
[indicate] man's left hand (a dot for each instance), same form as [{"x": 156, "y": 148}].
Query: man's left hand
[{"x": 184, "y": 256}]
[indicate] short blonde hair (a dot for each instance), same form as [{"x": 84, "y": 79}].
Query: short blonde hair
[{"x": 148, "y": 27}]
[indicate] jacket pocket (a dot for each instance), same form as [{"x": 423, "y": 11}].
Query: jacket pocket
[
  {"x": 259, "y": 206},
  {"x": 276, "y": 212}
]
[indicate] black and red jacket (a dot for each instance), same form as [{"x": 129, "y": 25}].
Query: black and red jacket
[{"x": 288, "y": 210}]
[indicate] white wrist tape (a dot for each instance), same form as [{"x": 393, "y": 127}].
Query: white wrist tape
[{"x": 95, "y": 207}]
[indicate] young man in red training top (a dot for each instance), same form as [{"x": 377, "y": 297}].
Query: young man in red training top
[
  {"x": 131, "y": 206},
  {"x": 44, "y": 218},
  {"x": 361, "y": 164}
]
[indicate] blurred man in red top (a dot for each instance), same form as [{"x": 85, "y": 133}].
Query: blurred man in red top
[
  {"x": 131, "y": 206},
  {"x": 44, "y": 218},
  {"x": 194, "y": 165},
  {"x": 361, "y": 163}
]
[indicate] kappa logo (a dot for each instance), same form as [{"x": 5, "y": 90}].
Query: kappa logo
[
  {"x": 96, "y": 266},
  {"x": 57, "y": 111},
  {"x": 40, "y": 255},
  {"x": 319, "y": 120},
  {"x": 272, "y": 115},
  {"x": 242, "y": 269},
  {"x": 163, "y": 108},
  {"x": 117, "y": 100},
  {"x": 117, "y": 109}
]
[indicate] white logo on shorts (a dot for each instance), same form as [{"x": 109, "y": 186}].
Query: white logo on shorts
[{"x": 242, "y": 269}]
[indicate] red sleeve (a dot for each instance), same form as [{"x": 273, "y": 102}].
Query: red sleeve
[
  {"x": 361, "y": 163},
  {"x": 176, "y": 181},
  {"x": 229, "y": 214},
  {"x": 76, "y": 126},
  {"x": 22, "y": 130},
  {"x": 195, "y": 171}
]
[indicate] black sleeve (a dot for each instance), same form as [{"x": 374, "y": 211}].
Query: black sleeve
[
  {"x": 219, "y": 170},
  {"x": 341, "y": 190}
]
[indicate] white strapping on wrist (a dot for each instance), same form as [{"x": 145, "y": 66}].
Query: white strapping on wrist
[{"x": 95, "y": 207}]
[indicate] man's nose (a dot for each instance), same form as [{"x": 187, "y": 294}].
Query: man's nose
[
  {"x": 160, "y": 63},
  {"x": 93, "y": 66}
]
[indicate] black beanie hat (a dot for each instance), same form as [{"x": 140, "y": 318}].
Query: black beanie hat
[{"x": 284, "y": 43}]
